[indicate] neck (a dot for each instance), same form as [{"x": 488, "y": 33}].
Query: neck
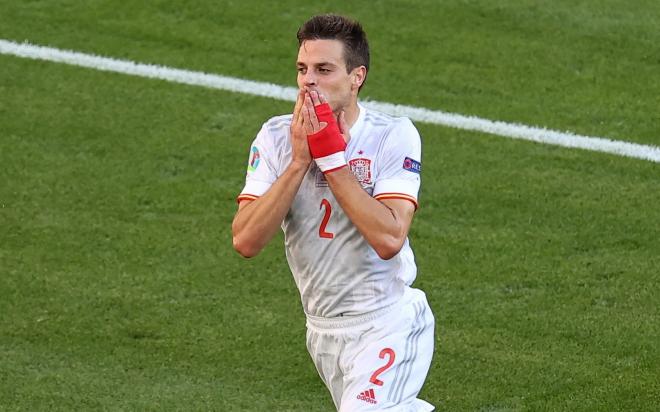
[{"x": 351, "y": 111}]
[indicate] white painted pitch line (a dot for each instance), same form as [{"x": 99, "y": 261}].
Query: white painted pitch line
[{"x": 459, "y": 121}]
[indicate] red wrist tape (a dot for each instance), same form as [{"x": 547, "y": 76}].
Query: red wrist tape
[
  {"x": 324, "y": 113},
  {"x": 328, "y": 140}
]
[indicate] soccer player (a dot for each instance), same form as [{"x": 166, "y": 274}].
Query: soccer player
[{"x": 342, "y": 183}]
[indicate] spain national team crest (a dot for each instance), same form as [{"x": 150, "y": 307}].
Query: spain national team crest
[{"x": 361, "y": 168}]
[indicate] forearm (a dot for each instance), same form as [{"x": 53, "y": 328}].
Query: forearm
[
  {"x": 256, "y": 223},
  {"x": 384, "y": 228}
]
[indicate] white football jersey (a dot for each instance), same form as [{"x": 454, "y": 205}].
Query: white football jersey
[{"x": 335, "y": 269}]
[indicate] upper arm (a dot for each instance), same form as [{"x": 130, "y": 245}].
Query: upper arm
[
  {"x": 242, "y": 203},
  {"x": 399, "y": 164},
  {"x": 403, "y": 211},
  {"x": 261, "y": 169}
]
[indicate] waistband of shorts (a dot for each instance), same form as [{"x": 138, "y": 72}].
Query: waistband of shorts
[
  {"x": 352, "y": 320},
  {"x": 347, "y": 321}
]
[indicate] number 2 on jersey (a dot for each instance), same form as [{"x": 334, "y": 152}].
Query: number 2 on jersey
[
  {"x": 374, "y": 378},
  {"x": 326, "y": 218}
]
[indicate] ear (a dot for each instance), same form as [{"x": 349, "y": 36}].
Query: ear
[{"x": 359, "y": 76}]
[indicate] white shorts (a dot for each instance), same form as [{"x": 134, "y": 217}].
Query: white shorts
[{"x": 377, "y": 361}]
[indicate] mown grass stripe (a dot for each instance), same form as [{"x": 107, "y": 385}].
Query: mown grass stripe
[{"x": 215, "y": 81}]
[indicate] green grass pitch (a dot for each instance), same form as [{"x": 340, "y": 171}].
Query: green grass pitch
[{"x": 119, "y": 288}]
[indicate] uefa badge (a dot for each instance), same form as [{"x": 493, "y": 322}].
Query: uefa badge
[
  {"x": 253, "y": 163},
  {"x": 412, "y": 165},
  {"x": 361, "y": 168}
]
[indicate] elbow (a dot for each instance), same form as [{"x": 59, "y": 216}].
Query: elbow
[
  {"x": 244, "y": 249},
  {"x": 388, "y": 247},
  {"x": 242, "y": 243}
]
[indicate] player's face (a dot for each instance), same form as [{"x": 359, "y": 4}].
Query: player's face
[{"x": 322, "y": 67}]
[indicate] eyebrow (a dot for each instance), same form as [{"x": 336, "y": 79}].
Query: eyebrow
[{"x": 298, "y": 64}]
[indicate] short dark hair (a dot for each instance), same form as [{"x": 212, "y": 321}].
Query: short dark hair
[{"x": 334, "y": 27}]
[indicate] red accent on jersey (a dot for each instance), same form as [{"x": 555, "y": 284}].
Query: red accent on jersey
[
  {"x": 326, "y": 218},
  {"x": 403, "y": 196},
  {"x": 246, "y": 196}
]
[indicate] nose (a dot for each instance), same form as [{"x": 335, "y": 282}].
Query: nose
[{"x": 310, "y": 79}]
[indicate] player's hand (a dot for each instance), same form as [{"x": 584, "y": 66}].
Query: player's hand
[
  {"x": 299, "y": 147},
  {"x": 314, "y": 125},
  {"x": 311, "y": 121},
  {"x": 326, "y": 142},
  {"x": 343, "y": 126}
]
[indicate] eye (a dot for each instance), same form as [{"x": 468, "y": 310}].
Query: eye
[
  {"x": 324, "y": 70},
  {"x": 301, "y": 70}
]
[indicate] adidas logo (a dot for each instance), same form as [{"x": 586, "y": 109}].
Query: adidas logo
[{"x": 368, "y": 396}]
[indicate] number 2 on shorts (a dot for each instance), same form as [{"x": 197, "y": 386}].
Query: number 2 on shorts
[
  {"x": 326, "y": 218},
  {"x": 374, "y": 378}
]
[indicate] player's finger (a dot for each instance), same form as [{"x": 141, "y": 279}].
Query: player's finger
[
  {"x": 299, "y": 104},
  {"x": 307, "y": 124},
  {"x": 301, "y": 118},
  {"x": 301, "y": 98},
  {"x": 322, "y": 98},
  {"x": 315, "y": 97},
  {"x": 314, "y": 121}
]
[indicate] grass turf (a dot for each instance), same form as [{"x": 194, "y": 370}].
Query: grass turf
[{"x": 119, "y": 288}]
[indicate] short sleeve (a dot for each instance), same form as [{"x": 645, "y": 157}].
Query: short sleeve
[
  {"x": 399, "y": 164},
  {"x": 261, "y": 173}
]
